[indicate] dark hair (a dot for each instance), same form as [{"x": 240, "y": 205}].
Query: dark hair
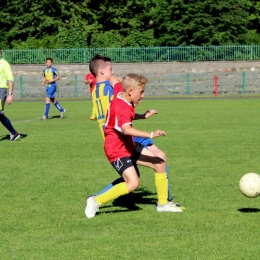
[
  {"x": 96, "y": 62},
  {"x": 48, "y": 58}
]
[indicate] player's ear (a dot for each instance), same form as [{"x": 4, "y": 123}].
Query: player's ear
[{"x": 129, "y": 91}]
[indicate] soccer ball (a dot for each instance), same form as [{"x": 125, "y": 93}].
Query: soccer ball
[{"x": 249, "y": 185}]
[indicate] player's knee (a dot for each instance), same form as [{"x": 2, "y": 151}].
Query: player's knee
[
  {"x": 133, "y": 185},
  {"x": 160, "y": 165},
  {"x": 162, "y": 155}
]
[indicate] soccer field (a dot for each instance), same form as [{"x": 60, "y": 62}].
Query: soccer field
[{"x": 47, "y": 174}]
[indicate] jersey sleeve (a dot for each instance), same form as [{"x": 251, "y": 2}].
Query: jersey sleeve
[
  {"x": 117, "y": 88},
  {"x": 8, "y": 72},
  {"x": 56, "y": 72}
]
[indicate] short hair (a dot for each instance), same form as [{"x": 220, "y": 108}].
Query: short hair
[
  {"x": 97, "y": 62},
  {"x": 49, "y": 58},
  {"x": 131, "y": 79}
]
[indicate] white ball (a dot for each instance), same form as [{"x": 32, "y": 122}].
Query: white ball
[{"x": 249, "y": 185}]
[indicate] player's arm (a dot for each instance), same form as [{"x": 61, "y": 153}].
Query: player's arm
[
  {"x": 9, "y": 98},
  {"x": 146, "y": 115},
  {"x": 114, "y": 79},
  {"x": 129, "y": 130},
  {"x": 43, "y": 81},
  {"x": 43, "y": 78},
  {"x": 56, "y": 78},
  {"x": 89, "y": 78},
  {"x": 88, "y": 81}
]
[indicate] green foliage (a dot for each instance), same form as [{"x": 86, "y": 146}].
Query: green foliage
[
  {"x": 61, "y": 24},
  {"x": 201, "y": 23}
]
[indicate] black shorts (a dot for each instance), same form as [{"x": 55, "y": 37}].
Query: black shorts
[{"x": 124, "y": 163}]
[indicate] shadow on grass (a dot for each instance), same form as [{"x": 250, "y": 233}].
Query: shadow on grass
[
  {"x": 130, "y": 201},
  {"x": 249, "y": 210},
  {"x": 53, "y": 117},
  {"x": 7, "y": 137}
]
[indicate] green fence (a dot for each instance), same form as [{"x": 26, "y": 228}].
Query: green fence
[
  {"x": 166, "y": 85},
  {"x": 141, "y": 54}
]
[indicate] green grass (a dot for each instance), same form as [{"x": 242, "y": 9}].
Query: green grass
[{"x": 46, "y": 175}]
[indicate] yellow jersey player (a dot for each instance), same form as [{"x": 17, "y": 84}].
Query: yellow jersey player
[{"x": 50, "y": 76}]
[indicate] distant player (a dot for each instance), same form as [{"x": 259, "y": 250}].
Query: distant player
[
  {"x": 50, "y": 76},
  {"x": 90, "y": 79}
]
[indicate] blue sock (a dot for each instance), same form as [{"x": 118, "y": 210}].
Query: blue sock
[
  {"x": 108, "y": 187},
  {"x": 58, "y": 106},
  {"x": 169, "y": 188},
  {"x": 6, "y": 123},
  {"x": 47, "y": 108}
]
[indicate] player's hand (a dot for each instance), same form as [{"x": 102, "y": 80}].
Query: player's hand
[
  {"x": 88, "y": 81},
  {"x": 9, "y": 99},
  {"x": 157, "y": 133},
  {"x": 149, "y": 113}
]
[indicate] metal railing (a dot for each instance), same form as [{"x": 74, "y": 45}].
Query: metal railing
[
  {"x": 158, "y": 85},
  {"x": 137, "y": 54}
]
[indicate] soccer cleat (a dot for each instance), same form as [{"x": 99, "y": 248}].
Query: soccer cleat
[
  {"x": 62, "y": 113},
  {"x": 93, "y": 117},
  {"x": 176, "y": 204},
  {"x": 44, "y": 117},
  {"x": 168, "y": 207},
  {"x": 14, "y": 137},
  {"x": 92, "y": 207}
]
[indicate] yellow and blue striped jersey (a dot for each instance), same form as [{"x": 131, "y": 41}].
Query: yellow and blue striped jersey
[
  {"x": 102, "y": 95},
  {"x": 49, "y": 74}
]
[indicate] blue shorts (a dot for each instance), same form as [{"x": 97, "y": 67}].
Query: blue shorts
[
  {"x": 50, "y": 92},
  {"x": 143, "y": 140}
]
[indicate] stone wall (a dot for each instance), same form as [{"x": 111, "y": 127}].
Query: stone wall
[
  {"x": 164, "y": 79},
  {"x": 146, "y": 68}
]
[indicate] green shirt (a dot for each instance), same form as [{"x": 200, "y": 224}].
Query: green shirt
[{"x": 5, "y": 73}]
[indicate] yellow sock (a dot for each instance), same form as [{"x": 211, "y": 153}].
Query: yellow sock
[
  {"x": 161, "y": 183},
  {"x": 113, "y": 193},
  {"x": 93, "y": 112}
]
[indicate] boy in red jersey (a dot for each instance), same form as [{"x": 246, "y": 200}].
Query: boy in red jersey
[
  {"x": 124, "y": 154},
  {"x": 107, "y": 86},
  {"x": 91, "y": 80}
]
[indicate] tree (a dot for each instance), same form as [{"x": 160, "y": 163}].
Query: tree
[{"x": 182, "y": 22}]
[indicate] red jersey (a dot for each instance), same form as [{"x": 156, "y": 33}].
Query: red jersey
[
  {"x": 92, "y": 79},
  {"x": 118, "y": 145},
  {"x": 117, "y": 88}
]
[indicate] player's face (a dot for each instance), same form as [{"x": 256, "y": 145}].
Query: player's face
[
  {"x": 48, "y": 63},
  {"x": 137, "y": 94},
  {"x": 107, "y": 70}
]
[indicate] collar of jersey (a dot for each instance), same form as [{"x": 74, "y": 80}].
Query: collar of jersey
[{"x": 118, "y": 96}]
